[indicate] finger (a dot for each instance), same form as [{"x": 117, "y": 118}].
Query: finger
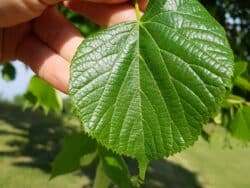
[
  {"x": 13, "y": 12},
  {"x": 11, "y": 38},
  {"x": 107, "y": 1},
  {"x": 45, "y": 62},
  {"x": 1, "y": 46},
  {"x": 58, "y": 33},
  {"x": 50, "y": 2},
  {"x": 143, "y": 4},
  {"x": 103, "y": 14}
]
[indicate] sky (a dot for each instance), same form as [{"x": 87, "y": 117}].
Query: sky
[{"x": 8, "y": 90}]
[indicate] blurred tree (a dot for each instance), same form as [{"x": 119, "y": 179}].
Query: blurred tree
[{"x": 234, "y": 15}]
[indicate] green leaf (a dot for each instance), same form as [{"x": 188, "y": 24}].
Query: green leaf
[
  {"x": 240, "y": 125},
  {"x": 144, "y": 89},
  {"x": 88, "y": 159},
  {"x": 242, "y": 83},
  {"x": 75, "y": 146},
  {"x": 115, "y": 168},
  {"x": 101, "y": 179},
  {"x": 8, "y": 72},
  {"x": 239, "y": 68},
  {"x": 41, "y": 94}
]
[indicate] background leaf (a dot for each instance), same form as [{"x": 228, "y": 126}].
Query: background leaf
[
  {"x": 75, "y": 146},
  {"x": 240, "y": 125},
  {"x": 101, "y": 179},
  {"x": 115, "y": 168},
  {"x": 239, "y": 68},
  {"x": 41, "y": 94}
]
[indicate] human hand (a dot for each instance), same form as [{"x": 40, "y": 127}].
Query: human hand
[{"x": 34, "y": 32}]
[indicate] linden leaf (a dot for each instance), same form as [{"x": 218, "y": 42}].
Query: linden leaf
[{"x": 144, "y": 88}]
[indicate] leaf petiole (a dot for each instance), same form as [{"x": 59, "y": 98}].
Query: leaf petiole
[{"x": 137, "y": 10}]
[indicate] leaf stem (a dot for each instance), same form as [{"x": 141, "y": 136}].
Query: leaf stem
[{"x": 137, "y": 10}]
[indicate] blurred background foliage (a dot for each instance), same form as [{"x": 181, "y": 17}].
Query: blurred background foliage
[{"x": 234, "y": 16}]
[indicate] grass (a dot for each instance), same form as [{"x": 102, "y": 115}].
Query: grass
[
  {"x": 218, "y": 166},
  {"x": 29, "y": 141}
]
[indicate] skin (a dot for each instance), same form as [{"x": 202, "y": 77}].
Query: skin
[{"x": 34, "y": 32}]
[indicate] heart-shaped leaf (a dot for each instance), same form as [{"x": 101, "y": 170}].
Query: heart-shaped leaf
[{"x": 144, "y": 89}]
